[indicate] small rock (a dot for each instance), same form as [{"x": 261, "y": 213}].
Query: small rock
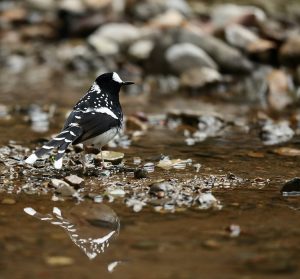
[
  {"x": 62, "y": 188},
  {"x": 287, "y": 151},
  {"x": 157, "y": 187},
  {"x": 103, "y": 45},
  {"x": 141, "y": 49},
  {"x": 97, "y": 4},
  {"x": 239, "y": 36},
  {"x": 74, "y": 180},
  {"x": 289, "y": 53},
  {"x": 211, "y": 244},
  {"x": 207, "y": 200},
  {"x": 98, "y": 199},
  {"x": 127, "y": 33},
  {"x": 169, "y": 19},
  {"x": 72, "y": 6},
  {"x": 134, "y": 124},
  {"x": 274, "y": 133},
  {"x": 255, "y": 154},
  {"x": 224, "y": 14},
  {"x": 8, "y": 201},
  {"x": 59, "y": 261},
  {"x": 199, "y": 77},
  {"x": 105, "y": 173},
  {"x": 278, "y": 92},
  {"x": 234, "y": 230},
  {"x": 149, "y": 167},
  {"x": 110, "y": 156},
  {"x": 291, "y": 188},
  {"x": 137, "y": 160},
  {"x": 117, "y": 192},
  {"x": 137, "y": 205},
  {"x": 140, "y": 173},
  {"x": 168, "y": 164},
  {"x": 184, "y": 56}
]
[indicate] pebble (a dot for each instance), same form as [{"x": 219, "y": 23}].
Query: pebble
[
  {"x": 118, "y": 192},
  {"x": 279, "y": 90},
  {"x": 199, "y": 77},
  {"x": 140, "y": 173},
  {"x": 290, "y": 51},
  {"x": 275, "y": 133},
  {"x": 224, "y": 14},
  {"x": 287, "y": 151},
  {"x": 291, "y": 188},
  {"x": 211, "y": 244},
  {"x": 207, "y": 200},
  {"x": 110, "y": 156},
  {"x": 74, "y": 180},
  {"x": 127, "y": 33},
  {"x": 169, "y": 19},
  {"x": 159, "y": 188},
  {"x": 234, "y": 230},
  {"x": 59, "y": 261},
  {"x": 8, "y": 201},
  {"x": 134, "y": 124},
  {"x": 141, "y": 49},
  {"x": 62, "y": 188}
]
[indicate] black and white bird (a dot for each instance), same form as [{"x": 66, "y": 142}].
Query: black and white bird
[{"x": 95, "y": 120}]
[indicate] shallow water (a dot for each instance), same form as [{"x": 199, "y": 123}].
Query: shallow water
[{"x": 190, "y": 243}]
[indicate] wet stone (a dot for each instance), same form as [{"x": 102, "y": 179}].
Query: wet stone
[
  {"x": 274, "y": 133},
  {"x": 234, "y": 230},
  {"x": 62, "y": 188},
  {"x": 110, "y": 156},
  {"x": 140, "y": 173},
  {"x": 287, "y": 151},
  {"x": 291, "y": 188},
  {"x": 8, "y": 201},
  {"x": 211, "y": 244},
  {"x": 59, "y": 261},
  {"x": 74, "y": 180},
  {"x": 160, "y": 188}
]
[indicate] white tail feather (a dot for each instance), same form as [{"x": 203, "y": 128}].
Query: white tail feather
[{"x": 31, "y": 159}]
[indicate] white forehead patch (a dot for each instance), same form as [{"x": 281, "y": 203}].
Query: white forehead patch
[{"x": 116, "y": 78}]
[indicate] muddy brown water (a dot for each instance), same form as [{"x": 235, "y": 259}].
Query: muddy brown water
[{"x": 188, "y": 244}]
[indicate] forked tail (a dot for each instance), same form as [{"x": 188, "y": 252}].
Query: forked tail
[{"x": 61, "y": 142}]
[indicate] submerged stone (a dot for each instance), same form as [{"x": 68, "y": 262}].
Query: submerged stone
[
  {"x": 291, "y": 188},
  {"x": 140, "y": 173}
]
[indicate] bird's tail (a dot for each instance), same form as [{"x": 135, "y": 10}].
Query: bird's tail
[{"x": 61, "y": 142}]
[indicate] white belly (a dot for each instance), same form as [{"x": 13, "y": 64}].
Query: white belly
[{"x": 102, "y": 139}]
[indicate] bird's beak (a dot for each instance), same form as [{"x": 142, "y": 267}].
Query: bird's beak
[{"x": 127, "y": 82}]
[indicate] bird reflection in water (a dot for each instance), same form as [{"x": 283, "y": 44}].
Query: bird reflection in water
[{"x": 90, "y": 226}]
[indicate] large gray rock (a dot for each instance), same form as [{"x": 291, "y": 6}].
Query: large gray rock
[
  {"x": 239, "y": 36},
  {"x": 228, "y": 58},
  {"x": 146, "y": 10},
  {"x": 120, "y": 33},
  {"x": 184, "y": 56},
  {"x": 227, "y": 13}
]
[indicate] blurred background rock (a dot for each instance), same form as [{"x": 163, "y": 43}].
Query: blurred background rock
[{"x": 246, "y": 51}]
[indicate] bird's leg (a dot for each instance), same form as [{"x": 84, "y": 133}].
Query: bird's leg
[
  {"x": 102, "y": 160},
  {"x": 83, "y": 162},
  {"x": 101, "y": 156}
]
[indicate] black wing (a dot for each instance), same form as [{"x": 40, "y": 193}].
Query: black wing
[{"x": 92, "y": 123}]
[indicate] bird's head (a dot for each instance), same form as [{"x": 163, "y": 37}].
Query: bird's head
[{"x": 111, "y": 82}]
